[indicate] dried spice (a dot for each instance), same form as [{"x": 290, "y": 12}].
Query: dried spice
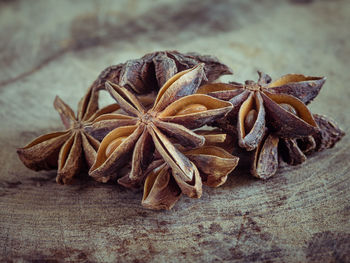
[
  {"x": 290, "y": 151},
  {"x": 216, "y": 137},
  {"x": 295, "y": 151},
  {"x": 266, "y": 157},
  {"x": 70, "y": 150},
  {"x": 150, "y": 72},
  {"x": 330, "y": 133},
  {"x": 157, "y": 133},
  {"x": 103, "y": 124},
  {"x": 278, "y": 106},
  {"x": 140, "y": 131},
  {"x": 163, "y": 186}
]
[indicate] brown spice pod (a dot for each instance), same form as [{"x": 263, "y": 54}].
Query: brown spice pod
[{"x": 265, "y": 162}]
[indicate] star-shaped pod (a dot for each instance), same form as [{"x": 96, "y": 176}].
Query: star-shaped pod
[
  {"x": 140, "y": 131},
  {"x": 279, "y": 106},
  {"x": 163, "y": 186},
  {"x": 67, "y": 151},
  {"x": 265, "y": 159},
  {"x": 150, "y": 72}
]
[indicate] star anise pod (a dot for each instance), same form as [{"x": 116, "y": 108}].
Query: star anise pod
[
  {"x": 279, "y": 106},
  {"x": 295, "y": 151},
  {"x": 150, "y": 72},
  {"x": 67, "y": 151},
  {"x": 216, "y": 137},
  {"x": 163, "y": 186},
  {"x": 141, "y": 131},
  {"x": 266, "y": 157}
]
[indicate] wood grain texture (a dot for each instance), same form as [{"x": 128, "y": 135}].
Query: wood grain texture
[{"x": 300, "y": 215}]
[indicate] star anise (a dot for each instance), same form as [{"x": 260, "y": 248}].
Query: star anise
[
  {"x": 71, "y": 150},
  {"x": 150, "y": 72},
  {"x": 295, "y": 151},
  {"x": 266, "y": 157},
  {"x": 163, "y": 186},
  {"x": 278, "y": 105},
  {"x": 141, "y": 131}
]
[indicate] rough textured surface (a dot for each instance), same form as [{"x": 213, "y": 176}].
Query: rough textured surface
[{"x": 49, "y": 48}]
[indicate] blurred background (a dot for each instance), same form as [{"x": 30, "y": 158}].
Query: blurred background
[
  {"x": 55, "y": 47},
  {"x": 276, "y": 36}
]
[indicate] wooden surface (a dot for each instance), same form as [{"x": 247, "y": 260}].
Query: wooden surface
[{"x": 59, "y": 47}]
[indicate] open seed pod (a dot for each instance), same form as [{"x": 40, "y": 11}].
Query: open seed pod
[
  {"x": 170, "y": 120},
  {"x": 161, "y": 190},
  {"x": 102, "y": 125},
  {"x": 294, "y": 151},
  {"x": 164, "y": 185},
  {"x": 71, "y": 150},
  {"x": 265, "y": 104},
  {"x": 290, "y": 152},
  {"x": 285, "y": 123},
  {"x": 214, "y": 164},
  {"x": 265, "y": 158},
  {"x": 218, "y": 138},
  {"x": 305, "y": 88},
  {"x": 195, "y": 111},
  {"x": 114, "y": 151},
  {"x": 307, "y": 144},
  {"x": 251, "y": 122}
]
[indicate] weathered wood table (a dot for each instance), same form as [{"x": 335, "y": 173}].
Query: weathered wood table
[{"x": 49, "y": 48}]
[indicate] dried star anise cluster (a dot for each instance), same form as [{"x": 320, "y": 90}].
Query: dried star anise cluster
[
  {"x": 272, "y": 122},
  {"x": 173, "y": 129}
]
